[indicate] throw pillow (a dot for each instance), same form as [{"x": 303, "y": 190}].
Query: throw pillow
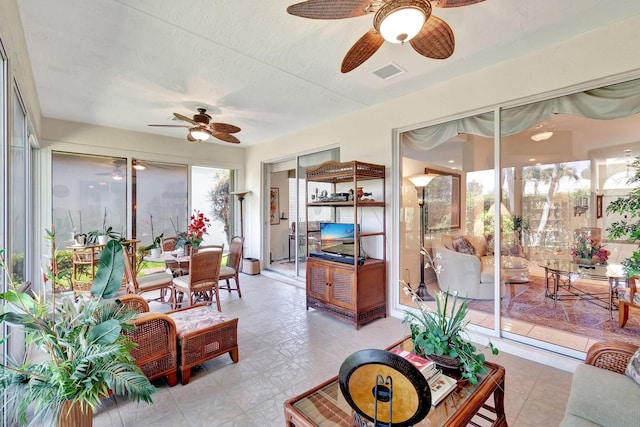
[
  {"x": 633, "y": 368},
  {"x": 463, "y": 246}
]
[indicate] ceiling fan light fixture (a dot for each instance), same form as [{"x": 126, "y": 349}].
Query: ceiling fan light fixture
[
  {"x": 401, "y": 20},
  {"x": 139, "y": 166},
  {"x": 542, "y": 136},
  {"x": 199, "y": 134}
]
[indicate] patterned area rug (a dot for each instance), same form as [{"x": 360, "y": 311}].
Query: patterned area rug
[{"x": 585, "y": 316}]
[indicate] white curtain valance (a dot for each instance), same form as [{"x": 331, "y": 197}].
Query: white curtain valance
[{"x": 609, "y": 102}]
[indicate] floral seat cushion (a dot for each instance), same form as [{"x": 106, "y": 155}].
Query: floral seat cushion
[{"x": 196, "y": 318}]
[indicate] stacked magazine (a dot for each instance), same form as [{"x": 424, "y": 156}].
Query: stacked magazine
[{"x": 441, "y": 385}]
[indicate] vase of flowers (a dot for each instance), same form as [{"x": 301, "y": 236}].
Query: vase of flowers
[
  {"x": 197, "y": 228},
  {"x": 589, "y": 251}
]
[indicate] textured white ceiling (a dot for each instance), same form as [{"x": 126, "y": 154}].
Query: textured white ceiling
[{"x": 129, "y": 63}]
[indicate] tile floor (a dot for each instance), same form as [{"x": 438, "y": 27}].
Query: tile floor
[{"x": 285, "y": 350}]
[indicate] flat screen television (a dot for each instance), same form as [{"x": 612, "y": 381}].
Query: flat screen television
[{"x": 337, "y": 238}]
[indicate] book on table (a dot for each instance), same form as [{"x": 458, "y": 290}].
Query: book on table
[{"x": 441, "y": 385}]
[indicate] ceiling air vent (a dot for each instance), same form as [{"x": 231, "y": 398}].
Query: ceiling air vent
[{"x": 388, "y": 71}]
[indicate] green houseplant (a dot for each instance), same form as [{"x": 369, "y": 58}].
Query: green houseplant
[
  {"x": 86, "y": 356},
  {"x": 629, "y": 226},
  {"x": 440, "y": 337}
]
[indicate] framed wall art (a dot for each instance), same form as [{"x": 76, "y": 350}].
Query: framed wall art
[
  {"x": 274, "y": 206},
  {"x": 599, "y": 206}
]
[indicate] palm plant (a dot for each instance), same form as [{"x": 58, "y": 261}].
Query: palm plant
[{"x": 87, "y": 357}]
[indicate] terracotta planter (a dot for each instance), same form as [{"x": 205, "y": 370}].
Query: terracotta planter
[{"x": 72, "y": 415}]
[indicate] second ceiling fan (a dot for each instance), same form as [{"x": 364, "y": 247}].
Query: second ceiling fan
[
  {"x": 201, "y": 128},
  {"x": 396, "y": 21}
]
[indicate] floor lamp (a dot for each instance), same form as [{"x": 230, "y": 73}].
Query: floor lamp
[
  {"x": 420, "y": 182},
  {"x": 241, "y": 195}
]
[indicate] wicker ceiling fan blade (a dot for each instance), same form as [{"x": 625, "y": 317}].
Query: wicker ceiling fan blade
[
  {"x": 185, "y": 118},
  {"x": 224, "y": 128},
  {"x": 453, "y": 3},
  {"x": 329, "y": 9},
  {"x": 170, "y": 126},
  {"x": 362, "y": 50},
  {"x": 435, "y": 40},
  {"x": 226, "y": 137}
]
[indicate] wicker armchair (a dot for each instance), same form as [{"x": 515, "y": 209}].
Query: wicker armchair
[
  {"x": 231, "y": 270},
  {"x": 156, "y": 351}
]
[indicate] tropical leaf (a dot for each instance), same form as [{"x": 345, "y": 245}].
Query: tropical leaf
[
  {"x": 105, "y": 333},
  {"x": 108, "y": 278}
]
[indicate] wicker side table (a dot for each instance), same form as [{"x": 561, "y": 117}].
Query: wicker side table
[{"x": 203, "y": 333}]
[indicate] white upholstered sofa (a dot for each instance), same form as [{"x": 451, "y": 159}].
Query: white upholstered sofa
[{"x": 472, "y": 275}]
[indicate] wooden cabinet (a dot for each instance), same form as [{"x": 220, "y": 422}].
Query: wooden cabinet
[
  {"x": 354, "y": 295},
  {"x": 352, "y": 289}
]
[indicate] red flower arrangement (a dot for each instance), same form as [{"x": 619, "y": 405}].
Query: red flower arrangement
[{"x": 197, "y": 228}]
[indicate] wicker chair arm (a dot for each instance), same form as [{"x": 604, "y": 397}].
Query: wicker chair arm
[{"x": 611, "y": 355}]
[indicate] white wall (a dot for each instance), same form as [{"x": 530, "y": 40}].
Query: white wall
[
  {"x": 279, "y": 233},
  {"x": 367, "y": 135}
]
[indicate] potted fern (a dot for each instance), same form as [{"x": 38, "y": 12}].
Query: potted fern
[
  {"x": 86, "y": 358},
  {"x": 439, "y": 335}
]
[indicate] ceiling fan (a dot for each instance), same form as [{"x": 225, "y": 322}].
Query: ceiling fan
[
  {"x": 201, "y": 128},
  {"x": 396, "y": 21}
]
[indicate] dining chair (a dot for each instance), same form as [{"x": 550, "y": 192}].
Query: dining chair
[
  {"x": 160, "y": 281},
  {"x": 168, "y": 243},
  {"x": 232, "y": 269},
  {"x": 202, "y": 280}
]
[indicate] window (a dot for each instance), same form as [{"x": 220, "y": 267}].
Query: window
[
  {"x": 210, "y": 195},
  {"x": 160, "y": 202},
  {"x": 88, "y": 192}
]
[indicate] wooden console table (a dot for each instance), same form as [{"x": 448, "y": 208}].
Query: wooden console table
[{"x": 324, "y": 405}]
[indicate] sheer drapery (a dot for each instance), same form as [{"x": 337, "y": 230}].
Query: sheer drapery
[{"x": 609, "y": 102}]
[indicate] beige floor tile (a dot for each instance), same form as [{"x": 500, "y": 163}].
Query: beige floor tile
[{"x": 285, "y": 350}]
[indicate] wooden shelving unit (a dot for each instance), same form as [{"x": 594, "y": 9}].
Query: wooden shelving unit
[{"x": 356, "y": 292}]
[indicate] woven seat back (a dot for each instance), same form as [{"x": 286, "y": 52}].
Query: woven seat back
[
  {"x": 169, "y": 243},
  {"x": 135, "y": 303},
  {"x": 235, "y": 252},
  {"x": 204, "y": 269}
]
